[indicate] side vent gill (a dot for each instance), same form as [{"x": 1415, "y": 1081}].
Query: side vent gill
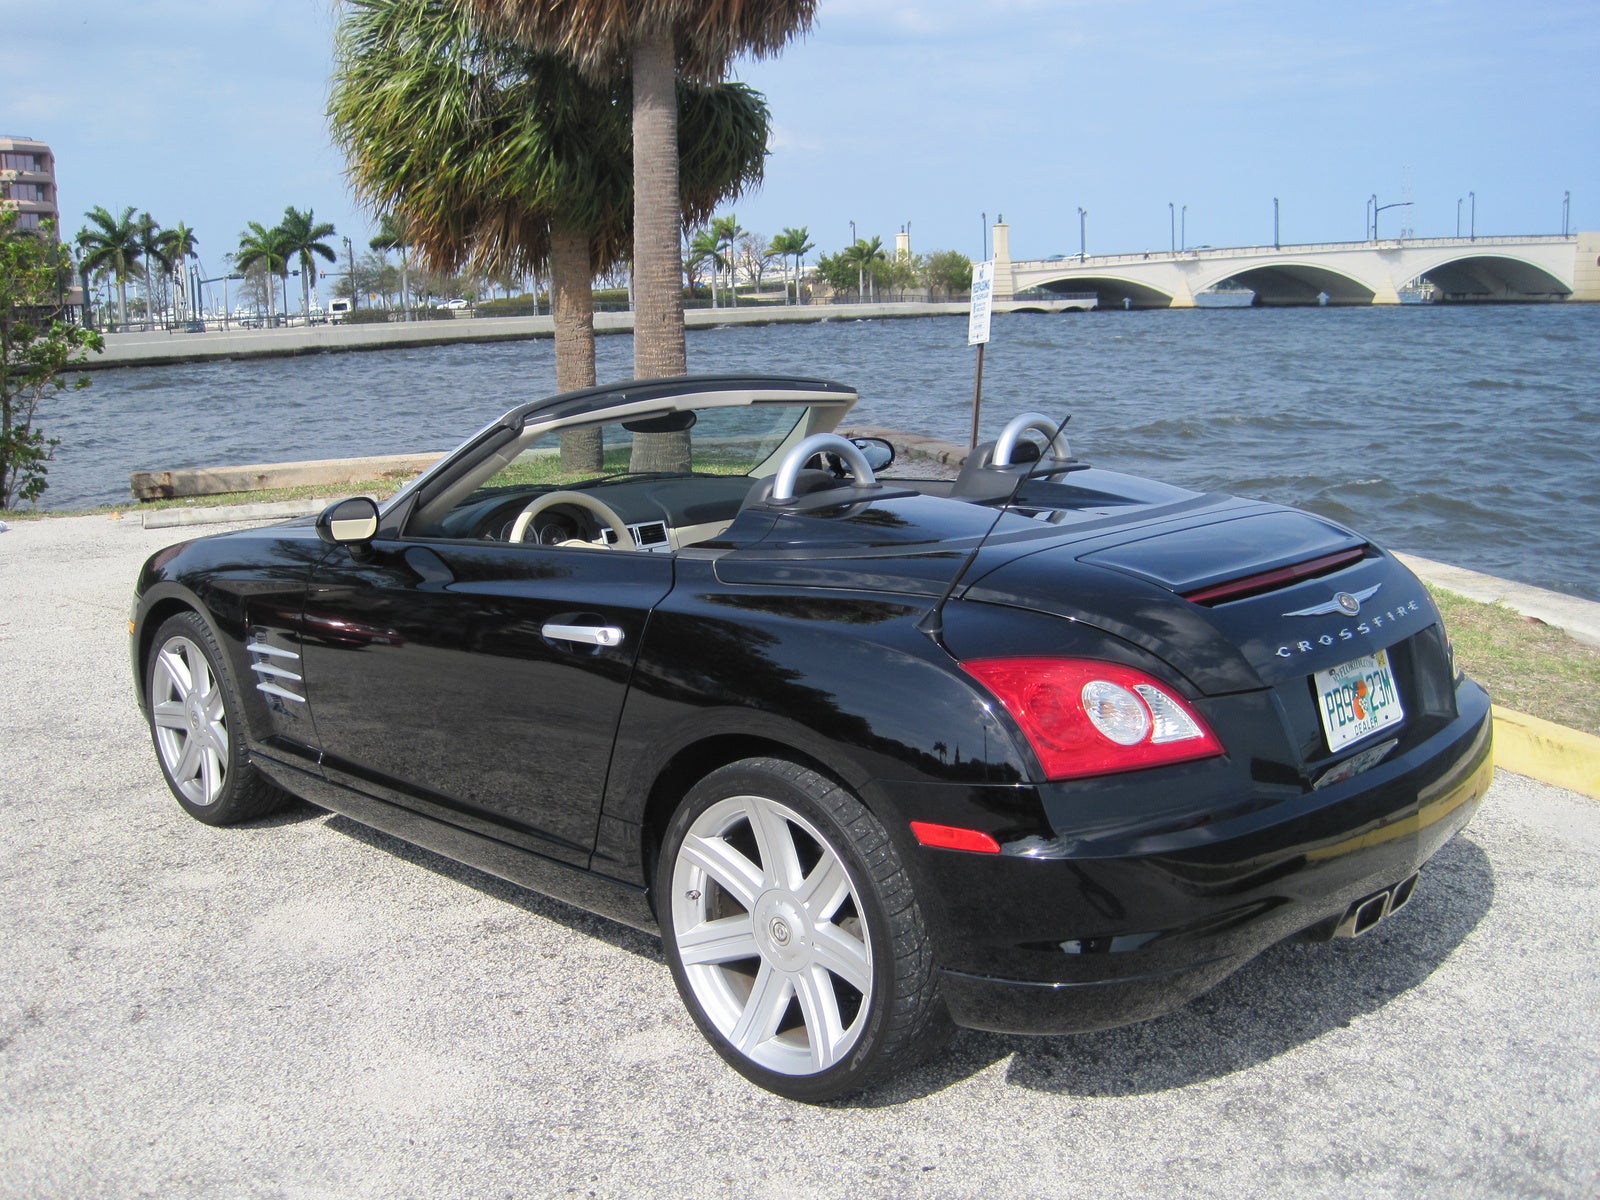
[{"x": 271, "y": 665}]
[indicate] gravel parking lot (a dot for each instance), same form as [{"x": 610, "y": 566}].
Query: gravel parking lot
[{"x": 305, "y": 1008}]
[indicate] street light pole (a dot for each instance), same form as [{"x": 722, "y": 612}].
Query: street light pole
[
  {"x": 983, "y": 238},
  {"x": 351, "y": 255},
  {"x": 1183, "y": 228},
  {"x": 1276, "y": 244},
  {"x": 1082, "y": 239},
  {"x": 1458, "y": 215},
  {"x": 1472, "y": 227},
  {"x": 1376, "y": 209},
  {"x": 1172, "y": 225},
  {"x": 1372, "y": 218},
  {"x": 1566, "y": 212}
]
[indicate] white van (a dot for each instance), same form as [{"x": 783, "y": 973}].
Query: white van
[{"x": 337, "y": 310}]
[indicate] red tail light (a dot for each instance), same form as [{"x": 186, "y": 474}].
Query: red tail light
[{"x": 1084, "y": 717}]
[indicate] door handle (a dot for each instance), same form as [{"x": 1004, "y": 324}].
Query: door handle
[{"x": 588, "y": 635}]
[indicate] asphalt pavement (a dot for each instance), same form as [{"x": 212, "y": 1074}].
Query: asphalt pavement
[{"x": 306, "y": 1008}]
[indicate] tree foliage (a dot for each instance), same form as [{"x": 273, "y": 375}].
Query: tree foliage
[
  {"x": 948, "y": 272},
  {"x": 37, "y": 348}
]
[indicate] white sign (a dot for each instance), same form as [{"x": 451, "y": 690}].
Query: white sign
[{"x": 982, "y": 290}]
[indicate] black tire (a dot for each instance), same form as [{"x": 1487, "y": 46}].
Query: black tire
[
  {"x": 197, "y": 726},
  {"x": 793, "y": 934}
]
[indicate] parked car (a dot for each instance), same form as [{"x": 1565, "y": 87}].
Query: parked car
[{"x": 1046, "y": 748}]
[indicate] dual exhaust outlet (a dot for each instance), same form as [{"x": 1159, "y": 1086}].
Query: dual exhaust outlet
[{"x": 1370, "y": 910}]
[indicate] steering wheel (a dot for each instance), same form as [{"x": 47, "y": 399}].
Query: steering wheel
[{"x": 607, "y": 514}]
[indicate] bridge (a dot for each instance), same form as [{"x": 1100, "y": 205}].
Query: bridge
[{"x": 1480, "y": 270}]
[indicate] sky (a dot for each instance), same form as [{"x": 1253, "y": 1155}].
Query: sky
[{"x": 935, "y": 115}]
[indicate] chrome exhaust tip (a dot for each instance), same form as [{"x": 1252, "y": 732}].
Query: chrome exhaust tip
[{"x": 1367, "y": 912}]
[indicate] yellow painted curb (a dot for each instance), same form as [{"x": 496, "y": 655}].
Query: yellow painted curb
[{"x": 1547, "y": 752}]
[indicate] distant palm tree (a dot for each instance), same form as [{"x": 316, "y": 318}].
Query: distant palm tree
[
  {"x": 393, "y": 235},
  {"x": 728, "y": 231},
  {"x": 798, "y": 243},
  {"x": 151, "y": 250},
  {"x": 268, "y": 250},
  {"x": 179, "y": 245},
  {"x": 705, "y": 249},
  {"x": 656, "y": 42},
  {"x": 302, "y": 239},
  {"x": 111, "y": 246},
  {"x": 864, "y": 254}
]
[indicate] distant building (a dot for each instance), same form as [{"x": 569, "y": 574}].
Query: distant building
[{"x": 28, "y": 182}]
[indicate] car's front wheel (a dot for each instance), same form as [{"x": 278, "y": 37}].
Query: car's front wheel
[
  {"x": 196, "y": 724},
  {"x": 792, "y": 932}
]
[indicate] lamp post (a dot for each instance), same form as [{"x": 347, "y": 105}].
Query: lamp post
[
  {"x": 1378, "y": 208},
  {"x": 1183, "y": 228},
  {"x": 350, "y": 254},
  {"x": 983, "y": 239},
  {"x": 1172, "y": 225},
  {"x": 1371, "y": 230},
  {"x": 1458, "y": 215},
  {"x": 1566, "y": 212},
  {"x": 1472, "y": 220},
  {"x": 861, "y": 279},
  {"x": 1276, "y": 244},
  {"x": 1082, "y": 240}
]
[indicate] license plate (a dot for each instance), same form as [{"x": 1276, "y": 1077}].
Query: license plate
[{"x": 1357, "y": 699}]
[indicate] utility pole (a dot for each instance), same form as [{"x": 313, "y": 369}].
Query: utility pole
[
  {"x": 350, "y": 254},
  {"x": 1082, "y": 239},
  {"x": 1172, "y": 225},
  {"x": 1276, "y": 245}
]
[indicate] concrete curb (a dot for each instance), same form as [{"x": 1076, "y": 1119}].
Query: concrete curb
[
  {"x": 1550, "y": 753},
  {"x": 274, "y": 510}
]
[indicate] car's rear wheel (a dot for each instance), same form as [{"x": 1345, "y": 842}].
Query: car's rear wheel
[
  {"x": 196, "y": 722},
  {"x": 793, "y": 934}
]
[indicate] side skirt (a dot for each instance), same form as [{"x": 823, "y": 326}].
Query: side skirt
[{"x": 593, "y": 893}]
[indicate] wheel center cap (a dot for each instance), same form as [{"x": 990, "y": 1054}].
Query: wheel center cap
[{"x": 782, "y": 930}]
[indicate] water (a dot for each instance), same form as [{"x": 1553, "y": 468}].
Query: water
[{"x": 1469, "y": 435}]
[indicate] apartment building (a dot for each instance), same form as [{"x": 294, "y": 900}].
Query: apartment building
[{"x": 28, "y": 181}]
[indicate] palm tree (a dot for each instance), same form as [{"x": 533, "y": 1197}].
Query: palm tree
[
  {"x": 508, "y": 160},
  {"x": 151, "y": 249},
  {"x": 111, "y": 246},
  {"x": 302, "y": 238},
  {"x": 393, "y": 235},
  {"x": 727, "y": 232},
  {"x": 268, "y": 250},
  {"x": 705, "y": 248},
  {"x": 864, "y": 254},
  {"x": 179, "y": 245},
  {"x": 798, "y": 243},
  {"x": 655, "y": 41}
]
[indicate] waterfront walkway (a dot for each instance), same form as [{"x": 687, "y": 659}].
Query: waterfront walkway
[{"x": 162, "y": 347}]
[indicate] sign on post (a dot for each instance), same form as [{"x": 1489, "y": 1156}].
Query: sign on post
[
  {"x": 982, "y": 291},
  {"x": 978, "y": 331}
]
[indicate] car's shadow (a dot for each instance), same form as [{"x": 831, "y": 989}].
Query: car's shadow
[
  {"x": 1292, "y": 994},
  {"x": 614, "y": 933}
]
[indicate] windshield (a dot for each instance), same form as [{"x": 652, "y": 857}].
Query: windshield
[{"x": 713, "y": 441}]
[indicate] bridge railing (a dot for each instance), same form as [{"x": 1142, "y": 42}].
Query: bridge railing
[{"x": 1195, "y": 253}]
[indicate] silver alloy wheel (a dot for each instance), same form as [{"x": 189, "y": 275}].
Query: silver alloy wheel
[
  {"x": 191, "y": 724},
  {"x": 773, "y": 939}
]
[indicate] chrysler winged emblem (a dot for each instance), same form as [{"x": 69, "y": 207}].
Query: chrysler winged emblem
[{"x": 1348, "y": 603}]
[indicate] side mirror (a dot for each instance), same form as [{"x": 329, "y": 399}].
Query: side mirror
[
  {"x": 348, "y": 522},
  {"x": 878, "y": 451}
]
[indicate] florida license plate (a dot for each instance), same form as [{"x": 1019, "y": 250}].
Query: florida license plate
[{"x": 1357, "y": 698}]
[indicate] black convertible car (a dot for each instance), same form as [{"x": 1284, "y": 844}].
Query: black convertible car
[{"x": 1043, "y": 748}]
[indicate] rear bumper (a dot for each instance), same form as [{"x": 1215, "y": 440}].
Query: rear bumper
[{"x": 1106, "y": 932}]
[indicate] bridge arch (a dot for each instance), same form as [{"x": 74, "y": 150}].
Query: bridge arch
[
  {"x": 1113, "y": 291},
  {"x": 1289, "y": 284},
  {"x": 1481, "y": 276}
]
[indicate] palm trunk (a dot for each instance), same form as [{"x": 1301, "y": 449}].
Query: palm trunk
[
  {"x": 658, "y": 341},
  {"x": 122, "y": 304},
  {"x": 572, "y": 298}
]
